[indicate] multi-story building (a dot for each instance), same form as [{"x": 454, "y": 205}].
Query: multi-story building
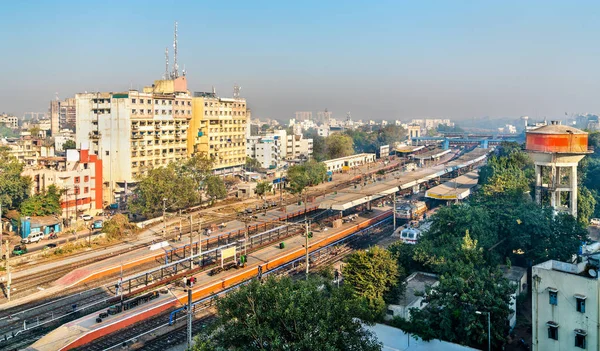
[
  {"x": 28, "y": 150},
  {"x": 9, "y": 121},
  {"x": 134, "y": 131},
  {"x": 61, "y": 138},
  {"x": 218, "y": 131},
  {"x": 79, "y": 175},
  {"x": 62, "y": 115},
  {"x": 303, "y": 116},
  {"x": 565, "y": 309},
  {"x": 298, "y": 147},
  {"x": 265, "y": 149}
]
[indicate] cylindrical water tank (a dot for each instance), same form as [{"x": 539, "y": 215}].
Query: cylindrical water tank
[{"x": 557, "y": 138}]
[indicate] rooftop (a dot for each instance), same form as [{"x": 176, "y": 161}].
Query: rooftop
[
  {"x": 514, "y": 273},
  {"x": 556, "y": 129},
  {"x": 416, "y": 282}
]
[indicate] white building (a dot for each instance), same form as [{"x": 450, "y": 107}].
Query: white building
[
  {"x": 298, "y": 147},
  {"x": 323, "y": 131},
  {"x": 565, "y": 310},
  {"x": 265, "y": 149},
  {"x": 10, "y": 121},
  {"x": 61, "y": 138},
  {"x": 135, "y": 131},
  {"x": 416, "y": 284},
  {"x": 349, "y": 162}
]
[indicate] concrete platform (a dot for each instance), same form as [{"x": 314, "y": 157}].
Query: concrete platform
[{"x": 85, "y": 329}]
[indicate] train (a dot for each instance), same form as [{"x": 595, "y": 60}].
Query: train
[
  {"x": 128, "y": 304},
  {"x": 410, "y": 210}
]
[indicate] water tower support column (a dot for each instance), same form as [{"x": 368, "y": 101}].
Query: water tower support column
[{"x": 574, "y": 190}]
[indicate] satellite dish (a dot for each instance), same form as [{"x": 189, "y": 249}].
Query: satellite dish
[{"x": 592, "y": 272}]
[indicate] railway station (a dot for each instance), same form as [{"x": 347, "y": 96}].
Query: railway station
[{"x": 456, "y": 189}]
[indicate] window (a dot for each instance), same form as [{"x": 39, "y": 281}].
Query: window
[
  {"x": 86, "y": 190},
  {"x": 552, "y": 330},
  {"x": 553, "y": 294},
  {"x": 107, "y": 153},
  {"x": 133, "y": 101},
  {"x": 580, "y": 338},
  {"x": 86, "y": 178},
  {"x": 76, "y": 180},
  {"x": 580, "y": 303}
]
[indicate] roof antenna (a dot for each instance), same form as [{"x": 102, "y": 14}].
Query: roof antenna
[
  {"x": 183, "y": 72},
  {"x": 166, "y": 63},
  {"x": 175, "y": 66},
  {"x": 236, "y": 91}
]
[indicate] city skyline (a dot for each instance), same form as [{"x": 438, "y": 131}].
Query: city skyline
[{"x": 385, "y": 60}]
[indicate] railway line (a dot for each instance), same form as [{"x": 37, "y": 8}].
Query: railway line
[{"x": 139, "y": 336}]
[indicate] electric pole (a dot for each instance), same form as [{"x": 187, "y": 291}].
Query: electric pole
[
  {"x": 307, "y": 229},
  {"x": 394, "y": 207},
  {"x": 164, "y": 218},
  {"x": 189, "y": 320},
  {"x": 9, "y": 280},
  {"x": 191, "y": 244}
]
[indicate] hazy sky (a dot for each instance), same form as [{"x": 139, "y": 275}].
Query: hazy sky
[{"x": 377, "y": 59}]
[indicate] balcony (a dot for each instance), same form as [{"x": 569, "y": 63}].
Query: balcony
[
  {"x": 137, "y": 136},
  {"x": 95, "y": 135}
]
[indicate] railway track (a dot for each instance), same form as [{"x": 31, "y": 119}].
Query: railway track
[{"x": 139, "y": 336}]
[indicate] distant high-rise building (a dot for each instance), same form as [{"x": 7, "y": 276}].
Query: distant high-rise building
[
  {"x": 9, "y": 121},
  {"x": 62, "y": 115},
  {"x": 303, "y": 116},
  {"x": 323, "y": 117}
]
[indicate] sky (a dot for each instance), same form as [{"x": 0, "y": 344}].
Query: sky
[{"x": 376, "y": 59}]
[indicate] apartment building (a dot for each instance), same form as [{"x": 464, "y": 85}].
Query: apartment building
[
  {"x": 134, "y": 131},
  {"x": 61, "y": 138},
  {"x": 218, "y": 131},
  {"x": 265, "y": 149},
  {"x": 28, "y": 150},
  {"x": 298, "y": 147},
  {"x": 9, "y": 121},
  {"x": 303, "y": 116},
  {"x": 565, "y": 309},
  {"x": 63, "y": 115},
  {"x": 79, "y": 174}
]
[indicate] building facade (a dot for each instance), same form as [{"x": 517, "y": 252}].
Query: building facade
[
  {"x": 134, "y": 131},
  {"x": 298, "y": 147},
  {"x": 349, "y": 162},
  {"x": 218, "y": 131},
  {"x": 9, "y": 121},
  {"x": 565, "y": 308},
  {"x": 28, "y": 150},
  {"x": 79, "y": 175},
  {"x": 63, "y": 115}
]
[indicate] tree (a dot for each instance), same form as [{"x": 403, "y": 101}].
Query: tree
[
  {"x": 14, "y": 188},
  {"x": 316, "y": 171},
  {"x": 390, "y": 134},
  {"x": 7, "y": 132},
  {"x": 372, "y": 274},
  {"x": 282, "y": 314},
  {"x": 265, "y": 127},
  {"x": 252, "y": 164},
  {"x": 506, "y": 174},
  {"x": 43, "y": 204},
  {"x": 35, "y": 131},
  {"x": 198, "y": 168},
  {"x": 467, "y": 285},
  {"x": 69, "y": 144},
  {"x": 308, "y": 174},
  {"x": 586, "y": 205},
  {"x": 118, "y": 227},
  {"x": 165, "y": 185},
  {"x": 263, "y": 187},
  {"x": 215, "y": 188},
  {"x": 338, "y": 145}
]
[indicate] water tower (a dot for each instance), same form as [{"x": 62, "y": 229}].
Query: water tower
[{"x": 556, "y": 150}]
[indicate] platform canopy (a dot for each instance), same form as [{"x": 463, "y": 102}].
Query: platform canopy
[{"x": 456, "y": 189}]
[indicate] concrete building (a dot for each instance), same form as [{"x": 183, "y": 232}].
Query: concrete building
[
  {"x": 135, "y": 131},
  {"x": 9, "y": 121},
  {"x": 265, "y": 149},
  {"x": 63, "y": 115},
  {"x": 28, "y": 150},
  {"x": 61, "y": 138},
  {"x": 415, "y": 283},
  {"x": 79, "y": 174},
  {"x": 218, "y": 130},
  {"x": 414, "y": 131},
  {"x": 565, "y": 309},
  {"x": 323, "y": 131},
  {"x": 298, "y": 147},
  {"x": 303, "y": 116},
  {"x": 347, "y": 163},
  {"x": 323, "y": 117},
  {"x": 517, "y": 276}
]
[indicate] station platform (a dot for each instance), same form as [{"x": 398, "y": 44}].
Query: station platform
[
  {"x": 84, "y": 330},
  {"x": 456, "y": 189}
]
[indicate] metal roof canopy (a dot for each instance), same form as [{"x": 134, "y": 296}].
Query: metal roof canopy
[{"x": 456, "y": 189}]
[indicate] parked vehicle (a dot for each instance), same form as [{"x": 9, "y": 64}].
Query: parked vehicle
[
  {"x": 19, "y": 250},
  {"x": 32, "y": 238},
  {"x": 86, "y": 217},
  {"x": 52, "y": 236},
  {"x": 49, "y": 246},
  {"x": 97, "y": 224}
]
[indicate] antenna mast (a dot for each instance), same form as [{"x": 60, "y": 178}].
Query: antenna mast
[
  {"x": 236, "y": 91},
  {"x": 175, "y": 66},
  {"x": 166, "y": 63}
]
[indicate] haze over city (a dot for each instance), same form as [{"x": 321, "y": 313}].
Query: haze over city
[{"x": 379, "y": 60}]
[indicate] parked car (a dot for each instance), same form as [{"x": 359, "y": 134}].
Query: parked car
[
  {"x": 86, "y": 217},
  {"x": 595, "y": 221},
  {"x": 19, "y": 250},
  {"x": 97, "y": 224},
  {"x": 32, "y": 238}
]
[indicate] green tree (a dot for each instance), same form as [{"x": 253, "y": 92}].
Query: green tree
[
  {"x": 586, "y": 205},
  {"x": 35, "y": 131},
  {"x": 69, "y": 144},
  {"x": 14, "y": 188},
  {"x": 338, "y": 145},
  {"x": 164, "y": 185},
  {"x": 282, "y": 314},
  {"x": 43, "y": 204},
  {"x": 7, "y": 132},
  {"x": 252, "y": 164},
  {"x": 308, "y": 174},
  {"x": 118, "y": 227},
  {"x": 263, "y": 187},
  {"x": 372, "y": 274},
  {"x": 198, "y": 168},
  {"x": 215, "y": 188},
  {"x": 506, "y": 174},
  {"x": 316, "y": 171},
  {"x": 390, "y": 134},
  {"x": 265, "y": 127},
  {"x": 467, "y": 285}
]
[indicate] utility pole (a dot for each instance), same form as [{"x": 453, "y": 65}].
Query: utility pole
[
  {"x": 164, "y": 218},
  {"x": 191, "y": 243},
  {"x": 9, "y": 278},
  {"x": 394, "y": 207},
  {"x": 189, "y": 320},
  {"x": 200, "y": 241},
  {"x": 307, "y": 229},
  {"x": 1, "y": 229},
  {"x": 121, "y": 286}
]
